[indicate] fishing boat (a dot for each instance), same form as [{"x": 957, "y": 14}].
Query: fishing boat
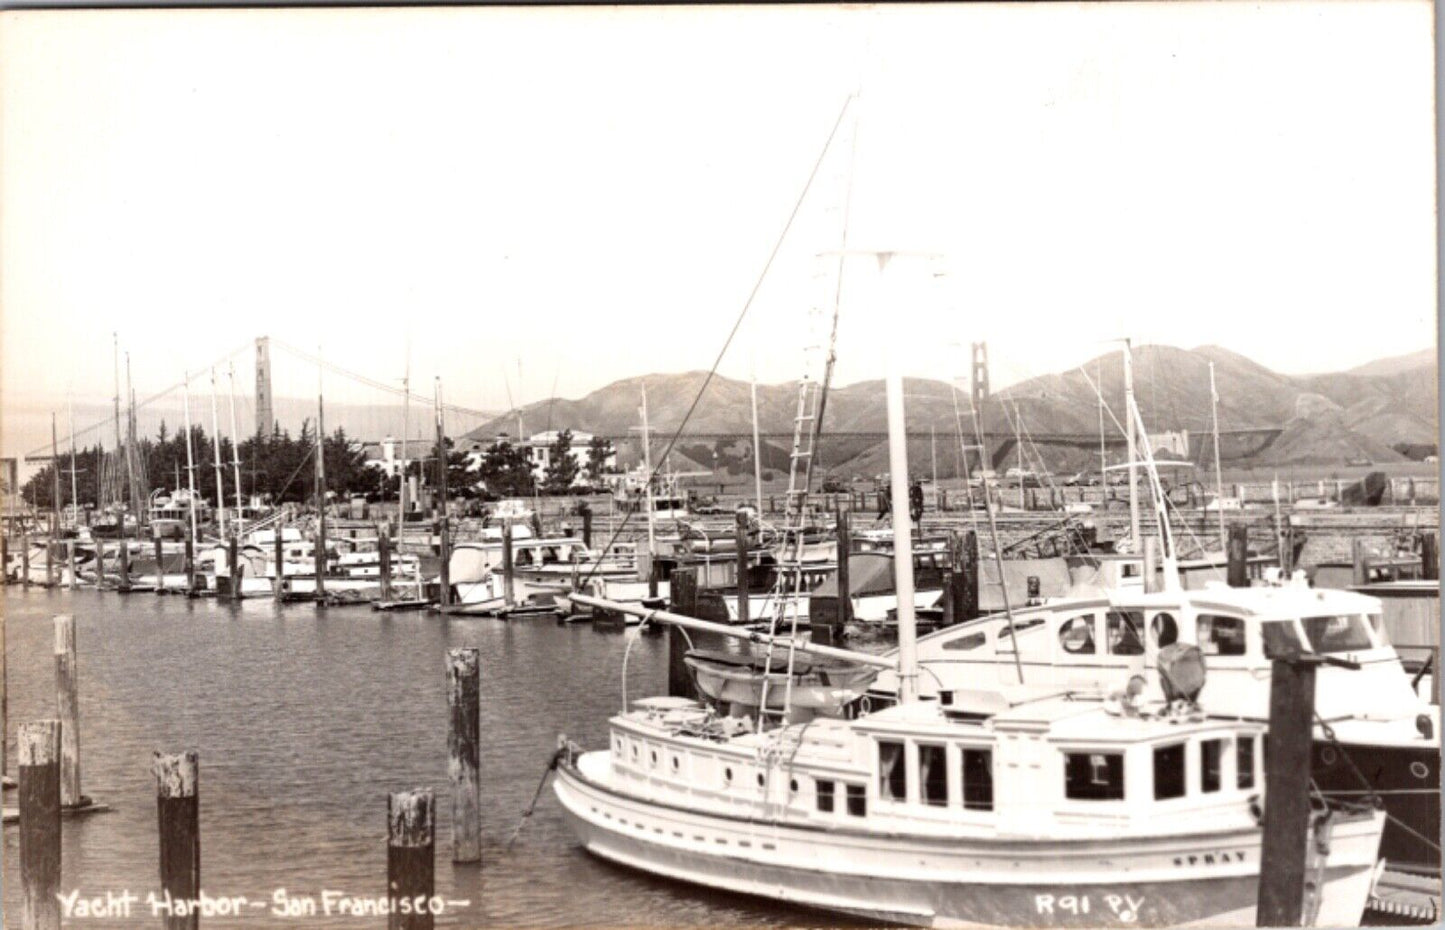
[{"x": 1041, "y": 808}]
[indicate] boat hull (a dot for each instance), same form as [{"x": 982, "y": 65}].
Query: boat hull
[{"x": 946, "y": 882}]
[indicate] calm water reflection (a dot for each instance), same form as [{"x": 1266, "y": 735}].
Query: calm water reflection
[{"x": 304, "y": 720}]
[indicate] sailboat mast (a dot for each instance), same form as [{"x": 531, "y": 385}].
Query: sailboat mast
[
  {"x": 74, "y": 490},
  {"x": 115, "y": 346},
  {"x": 405, "y": 407},
  {"x": 757, "y": 446},
  {"x": 1103, "y": 455},
  {"x": 54, "y": 478},
  {"x": 1218, "y": 471},
  {"x": 235, "y": 447},
  {"x": 135, "y": 468},
  {"x": 1134, "y": 536},
  {"x": 190, "y": 458},
  {"x": 216, "y": 458},
  {"x": 902, "y": 532},
  {"x": 320, "y": 479},
  {"x": 441, "y": 453},
  {"x": 647, "y": 466}
]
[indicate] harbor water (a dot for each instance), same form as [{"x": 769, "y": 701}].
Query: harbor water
[{"x": 305, "y": 719}]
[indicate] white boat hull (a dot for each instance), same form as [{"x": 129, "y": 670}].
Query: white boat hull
[{"x": 944, "y": 881}]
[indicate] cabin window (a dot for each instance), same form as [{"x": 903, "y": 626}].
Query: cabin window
[
  {"x": 1337, "y": 634},
  {"x": 523, "y": 558},
  {"x": 978, "y": 779},
  {"x": 1124, "y": 628},
  {"x": 1244, "y": 762},
  {"x": 961, "y": 643},
  {"x": 824, "y": 790},
  {"x": 1094, "y": 776},
  {"x": 1211, "y": 766},
  {"x": 933, "y": 775},
  {"x": 1169, "y": 772},
  {"x": 892, "y": 775},
  {"x": 1220, "y": 635},
  {"x": 1077, "y": 635},
  {"x": 1164, "y": 631},
  {"x": 857, "y": 801},
  {"x": 1280, "y": 638}
]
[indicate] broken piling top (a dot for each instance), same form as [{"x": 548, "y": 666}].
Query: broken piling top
[
  {"x": 39, "y": 742},
  {"x": 410, "y": 818},
  {"x": 463, "y": 665},
  {"x": 64, "y": 634},
  {"x": 176, "y": 773}
]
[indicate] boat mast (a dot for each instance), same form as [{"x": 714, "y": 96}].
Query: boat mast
[
  {"x": 441, "y": 457},
  {"x": 647, "y": 466},
  {"x": 405, "y": 407},
  {"x": 757, "y": 446},
  {"x": 902, "y": 520},
  {"x": 1170, "y": 558},
  {"x": 1133, "y": 453},
  {"x": 1019, "y": 444},
  {"x": 54, "y": 478},
  {"x": 190, "y": 458},
  {"x": 320, "y": 481},
  {"x": 74, "y": 490},
  {"x": 115, "y": 346},
  {"x": 1103, "y": 455},
  {"x": 235, "y": 448},
  {"x": 134, "y": 466},
  {"x": 1218, "y": 473},
  {"x": 216, "y": 457}
]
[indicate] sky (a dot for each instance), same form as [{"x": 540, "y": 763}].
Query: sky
[{"x": 518, "y": 200}]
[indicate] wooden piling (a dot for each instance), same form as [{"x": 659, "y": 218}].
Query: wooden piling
[
  {"x": 4, "y": 702},
  {"x": 233, "y": 562},
  {"x": 845, "y": 549},
  {"x": 99, "y": 564},
  {"x": 586, "y": 525},
  {"x": 25, "y": 559},
  {"x": 1237, "y": 554},
  {"x": 383, "y": 553},
  {"x": 178, "y": 820},
  {"x": 683, "y": 600},
  {"x": 1429, "y": 557},
  {"x": 70, "y": 563},
  {"x": 39, "y": 800},
  {"x": 464, "y": 701},
  {"x": 279, "y": 583},
  {"x": 444, "y": 531},
  {"x": 318, "y": 551},
  {"x": 740, "y": 539},
  {"x": 1287, "y": 792},
  {"x": 508, "y": 581},
  {"x": 190, "y": 564},
  {"x": 67, "y": 703},
  {"x": 4, "y": 557},
  {"x": 970, "y": 582},
  {"x": 50, "y": 562},
  {"x": 1360, "y": 558},
  {"x": 410, "y": 856},
  {"x": 122, "y": 583}
]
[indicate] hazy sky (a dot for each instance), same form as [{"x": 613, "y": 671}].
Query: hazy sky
[{"x": 595, "y": 190}]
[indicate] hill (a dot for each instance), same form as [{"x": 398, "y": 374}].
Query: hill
[{"x": 1312, "y": 419}]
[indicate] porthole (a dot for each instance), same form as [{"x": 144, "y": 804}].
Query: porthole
[
  {"x": 793, "y": 785},
  {"x": 760, "y": 780},
  {"x": 728, "y": 774},
  {"x": 1419, "y": 769},
  {"x": 654, "y": 757},
  {"x": 676, "y": 763},
  {"x": 1328, "y": 755},
  {"x": 634, "y": 751}
]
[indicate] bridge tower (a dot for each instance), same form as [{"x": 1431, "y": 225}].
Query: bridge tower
[
  {"x": 265, "y": 415},
  {"x": 980, "y": 375}
]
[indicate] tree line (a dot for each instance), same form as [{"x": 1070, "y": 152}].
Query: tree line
[{"x": 281, "y": 468}]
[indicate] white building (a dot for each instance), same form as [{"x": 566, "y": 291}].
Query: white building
[{"x": 539, "y": 450}]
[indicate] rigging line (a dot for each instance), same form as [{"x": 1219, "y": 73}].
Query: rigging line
[
  {"x": 372, "y": 382},
  {"x": 963, "y": 450},
  {"x": 139, "y": 404},
  {"x": 742, "y": 315}
]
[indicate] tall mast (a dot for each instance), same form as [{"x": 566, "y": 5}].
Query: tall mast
[
  {"x": 74, "y": 490},
  {"x": 441, "y": 452},
  {"x": 115, "y": 346},
  {"x": 405, "y": 405},
  {"x": 1019, "y": 444},
  {"x": 132, "y": 455},
  {"x": 1103, "y": 455},
  {"x": 54, "y": 476},
  {"x": 902, "y": 520},
  {"x": 320, "y": 481},
  {"x": 1134, "y": 536},
  {"x": 1218, "y": 473},
  {"x": 933, "y": 454},
  {"x": 216, "y": 457},
  {"x": 647, "y": 466},
  {"x": 757, "y": 446},
  {"x": 1170, "y": 560},
  {"x": 190, "y": 459},
  {"x": 235, "y": 448}
]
